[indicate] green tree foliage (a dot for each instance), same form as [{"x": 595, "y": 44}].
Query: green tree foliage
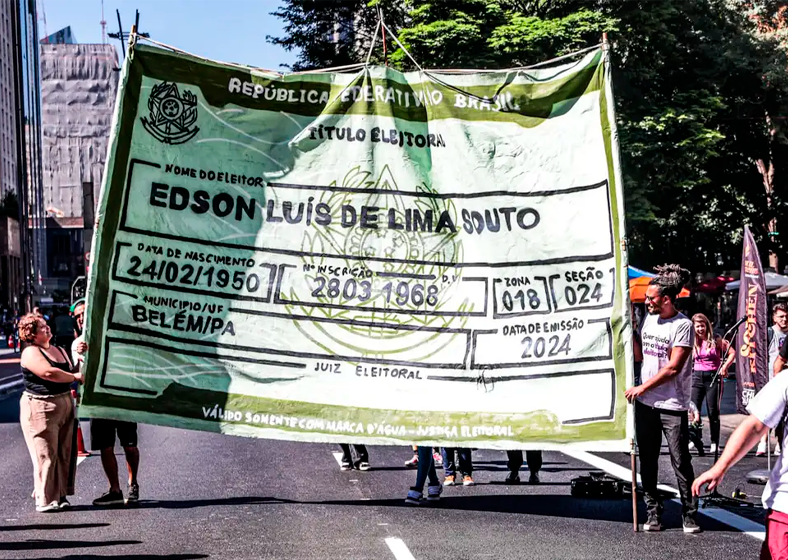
[{"x": 701, "y": 92}]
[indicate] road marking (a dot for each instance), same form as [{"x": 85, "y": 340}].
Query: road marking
[
  {"x": 399, "y": 549},
  {"x": 80, "y": 459},
  {"x": 746, "y": 526},
  {"x": 338, "y": 456}
]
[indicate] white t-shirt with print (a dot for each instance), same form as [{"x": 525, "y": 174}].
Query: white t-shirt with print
[
  {"x": 659, "y": 337},
  {"x": 769, "y": 406}
]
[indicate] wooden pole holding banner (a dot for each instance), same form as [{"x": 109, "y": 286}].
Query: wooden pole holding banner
[
  {"x": 632, "y": 455},
  {"x": 633, "y": 467},
  {"x": 383, "y": 36}
]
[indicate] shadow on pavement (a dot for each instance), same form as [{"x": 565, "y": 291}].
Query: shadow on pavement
[
  {"x": 54, "y": 526},
  {"x": 504, "y": 463},
  {"x": 481, "y": 467},
  {"x": 9, "y": 407},
  {"x": 44, "y": 544},
  {"x": 129, "y": 557},
  {"x": 188, "y": 504},
  {"x": 403, "y": 468},
  {"x": 546, "y": 505},
  {"x": 523, "y": 483},
  {"x": 550, "y": 505}
]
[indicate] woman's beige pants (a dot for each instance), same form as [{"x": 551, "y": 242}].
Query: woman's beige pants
[{"x": 48, "y": 426}]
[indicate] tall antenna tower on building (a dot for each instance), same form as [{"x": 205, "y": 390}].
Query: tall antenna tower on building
[
  {"x": 103, "y": 25},
  {"x": 43, "y": 17}
]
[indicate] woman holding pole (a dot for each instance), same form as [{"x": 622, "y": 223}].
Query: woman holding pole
[{"x": 46, "y": 412}]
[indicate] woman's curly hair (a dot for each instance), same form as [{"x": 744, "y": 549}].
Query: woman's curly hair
[
  {"x": 28, "y": 327},
  {"x": 670, "y": 279}
]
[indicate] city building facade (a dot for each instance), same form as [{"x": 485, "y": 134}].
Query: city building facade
[{"x": 78, "y": 88}]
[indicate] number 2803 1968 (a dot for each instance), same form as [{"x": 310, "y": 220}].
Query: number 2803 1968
[{"x": 399, "y": 293}]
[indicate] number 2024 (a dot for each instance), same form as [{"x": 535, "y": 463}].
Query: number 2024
[{"x": 536, "y": 348}]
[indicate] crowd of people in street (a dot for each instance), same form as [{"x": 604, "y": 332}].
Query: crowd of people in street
[{"x": 681, "y": 365}]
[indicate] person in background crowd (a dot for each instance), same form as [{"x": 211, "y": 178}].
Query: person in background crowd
[
  {"x": 662, "y": 399},
  {"x": 362, "y": 463},
  {"x": 767, "y": 409},
  {"x": 425, "y": 471},
  {"x": 64, "y": 329},
  {"x": 775, "y": 338},
  {"x": 450, "y": 466},
  {"x": 46, "y": 412},
  {"x": 102, "y": 439},
  {"x": 77, "y": 311},
  {"x": 515, "y": 457},
  {"x": 413, "y": 462},
  {"x": 78, "y": 314},
  {"x": 707, "y": 353}
]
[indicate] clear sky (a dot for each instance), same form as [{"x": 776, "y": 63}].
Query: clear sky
[{"x": 226, "y": 30}]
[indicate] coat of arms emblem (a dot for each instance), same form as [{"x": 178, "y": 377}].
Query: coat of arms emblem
[{"x": 172, "y": 114}]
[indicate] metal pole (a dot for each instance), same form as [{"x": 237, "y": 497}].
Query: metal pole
[{"x": 120, "y": 36}]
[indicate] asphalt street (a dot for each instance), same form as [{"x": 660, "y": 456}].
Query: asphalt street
[{"x": 213, "y": 496}]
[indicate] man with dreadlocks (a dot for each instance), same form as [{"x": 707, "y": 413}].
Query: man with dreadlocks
[{"x": 663, "y": 397}]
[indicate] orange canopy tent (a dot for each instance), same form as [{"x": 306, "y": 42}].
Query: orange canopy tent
[{"x": 638, "y": 286}]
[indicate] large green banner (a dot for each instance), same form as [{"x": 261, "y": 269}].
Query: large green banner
[{"x": 366, "y": 256}]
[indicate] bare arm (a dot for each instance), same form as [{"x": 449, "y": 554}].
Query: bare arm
[
  {"x": 36, "y": 363},
  {"x": 779, "y": 365},
  {"x": 729, "y": 357},
  {"x": 637, "y": 349},
  {"x": 744, "y": 438}
]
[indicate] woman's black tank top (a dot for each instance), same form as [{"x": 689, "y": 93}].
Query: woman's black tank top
[{"x": 39, "y": 386}]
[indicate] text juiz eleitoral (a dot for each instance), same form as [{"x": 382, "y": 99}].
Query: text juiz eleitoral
[{"x": 240, "y": 208}]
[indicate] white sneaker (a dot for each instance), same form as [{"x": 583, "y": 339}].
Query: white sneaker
[
  {"x": 691, "y": 445},
  {"x": 761, "y": 451},
  {"x": 49, "y": 508},
  {"x": 713, "y": 448}
]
